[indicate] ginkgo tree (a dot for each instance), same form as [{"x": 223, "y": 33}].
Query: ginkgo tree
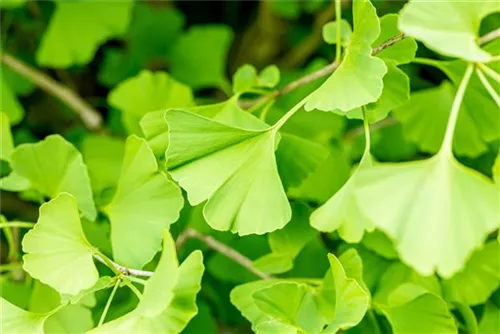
[{"x": 272, "y": 206}]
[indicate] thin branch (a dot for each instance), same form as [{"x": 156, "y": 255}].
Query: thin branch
[
  {"x": 90, "y": 117},
  {"x": 124, "y": 270},
  {"x": 330, "y": 68},
  {"x": 358, "y": 131},
  {"x": 492, "y": 35},
  {"x": 221, "y": 248}
]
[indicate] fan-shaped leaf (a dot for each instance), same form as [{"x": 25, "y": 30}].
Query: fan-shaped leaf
[
  {"x": 57, "y": 252},
  {"x": 17, "y": 320},
  {"x": 146, "y": 200},
  {"x": 53, "y": 166}
]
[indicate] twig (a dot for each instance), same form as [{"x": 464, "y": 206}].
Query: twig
[
  {"x": 90, "y": 117},
  {"x": 489, "y": 36},
  {"x": 221, "y": 248},
  {"x": 330, "y": 68},
  {"x": 125, "y": 270},
  {"x": 358, "y": 131}
]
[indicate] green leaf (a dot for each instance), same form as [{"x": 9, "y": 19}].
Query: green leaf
[
  {"x": 330, "y": 32},
  {"x": 57, "y": 252},
  {"x": 412, "y": 309},
  {"x": 9, "y": 103},
  {"x": 145, "y": 92},
  {"x": 244, "y": 78},
  {"x": 53, "y": 166},
  {"x": 454, "y": 34},
  {"x": 64, "y": 44},
  {"x": 342, "y": 212},
  {"x": 16, "y": 320},
  {"x": 496, "y": 169},
  {"x": 11, "y": 4},
  {"x": 478, "y": 280},
  {"x": 269, "y": 77},
  {"x": 234, "y": 169},
  {"x": 193, "y": 65},
  {"x": 358, "y": 79},
  {"x": 436, "y": 200},
  {"x": 379, "y": 243},
  {"x": 14, "y": 182},
  {"x": 144, "y": 199},
  {"x": 490, "y": 321},
  {"x": 403, "y": 51},
  {"x": 169, "y": 299},
  {"x": 6, "y": 141}
]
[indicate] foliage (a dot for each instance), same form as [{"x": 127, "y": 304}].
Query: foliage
[{"x": 353, "y": 193}]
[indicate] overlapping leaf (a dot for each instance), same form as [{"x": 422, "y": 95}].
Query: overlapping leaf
[
  {"x": 145, "y": 200},
  {"x": 436, "y": 210},
  {"x": 17, "y": 320},
  {"x": 64, "y": 44},
  {"x": 53, "y": 166},
  {"x": 454, "y": 34},
  {"x": 169, "y": 299},
  {"x": 358, "y": 79},
  {"x": 146, "y": 92},
  {"x": 57, "y": 252}
]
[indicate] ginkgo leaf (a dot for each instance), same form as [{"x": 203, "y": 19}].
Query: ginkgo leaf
[
  {"x": 330, "y": 32},
  {"x": 64, "y": 43},
  {"x": 246, "y": 78},
  {"x": 145, "y": 199},
  {"x": 479, "y": 279},
  {"x": 11, "y": 4},
  {"x": 402, "y": 52},
  {"x": 232, "y": 168},
  {"x": 6, "y": 141},
  {"x": 490, "y": 321},
  {"x": 17, "y": 320},
  {"x": 412, "y": 309},
  {"x": 436, "y": 210},
  {"x": 358, "y": 79},
  {"x": 57, "y": 252},
  {"x": 146, "y": 92},
  {"x": 342, "y": 212},
  {"x": 53, "y": 166},
  {"x": 454, "y": 34},
  {"x": 192, "y": 65},
  {"x": 9, "y": 103},
  {"x": 169, "y": 299}
]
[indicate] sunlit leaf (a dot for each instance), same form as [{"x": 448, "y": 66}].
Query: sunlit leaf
[
  {"x": 53, "y": 166},
  {"x": 450, "y": 206},
  {"x": 17, "y": 320},
  {"x": 490, "y": 321},
  {"x": 234, "y": 169},
  {"x": 192, "y": 65},
  {"x": 400, "y": 53},
  {"x": 330, "y": 32},
  {"x": 146, "y": 200},
  {"x": 479, "y": 279},
  {"x": 454, "y": 34},
  {"x": 9, "y": 103},
  {"x": 6, "y": 141},
  {"x": 64, "y": 43},
  {"x": 57, "y": 252},
  {"x": 358, "y": 79},
  {"x": 146, "y": 92}
]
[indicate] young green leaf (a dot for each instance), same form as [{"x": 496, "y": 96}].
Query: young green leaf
[
  {"x": 53, "y": 166},
  {"x": 453, "y": 34},
  {"x": 146, "y": 92},
  {"x": 57, "y": 252},
  {"x": 17, "y": 320},
  {"x": 6, "y": 141},
  {"x": 64, "y": 44},
  {"x": 402, "y": 52},
  {"x": 436, "y": 210},
  {"x": 342, "y": 212},
  {"x": 358, "y": 79},
  {"x": 412, "y": 309},
  {"x": 234, "y": 169},
  {"x": 478, "y": 280},
  {"x": 169, "y": 299},
  {"x": 192, "y": 65},
  {"x": 490, "y": 321},
  {"x": 145, "y": 199},
  {"x": 330, "y": 32},
  {"x": 9, "y": 103}
]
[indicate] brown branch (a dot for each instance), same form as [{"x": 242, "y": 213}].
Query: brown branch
[
  {"x": 330, "y": 68},
  {"x": 222, "y": 249},
  {"x": 125, "y": 270},
  {"x": 90, "y": 117},
  {"x": 492, "y": 35}
]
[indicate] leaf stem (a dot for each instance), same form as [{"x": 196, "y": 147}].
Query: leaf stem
[
  {"x": 108, "y": 303},
  {"x": 121, "y": 269},
  {"x": 468, "y": 317},
  {"x": 10, "y": 266},
  {"x": 17, "y": 224},
  {"x": 374, "y": 320},
  {"x": 489, "y": 72},
  {"x": 133, "y": 288},
  {"x": 446, "y": 147},
  {"x": 289, "y": 114},
  {"x": 136, "y": 279},
  {"x": 488, "y": 86},
  {"x": 366, "y": 127},
  {"x": 338, "y": 16}
]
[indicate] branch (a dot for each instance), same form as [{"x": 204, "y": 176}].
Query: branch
[
  {"x": 358, "y": 131},
  {"x": 489, "y": 36},
  {"x": 316, "y": 75},
  {"x": 90, "y": 117},
  {"x": 125, "y": 270},
  {"x": 221, "y": 248}
]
